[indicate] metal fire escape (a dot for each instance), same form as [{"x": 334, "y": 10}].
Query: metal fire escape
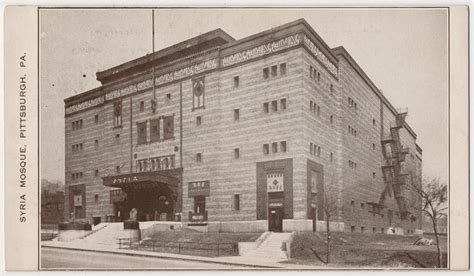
[{"x": 393, "y": 173}]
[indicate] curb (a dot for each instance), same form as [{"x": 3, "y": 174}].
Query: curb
[{"x": 136, "y": 254}]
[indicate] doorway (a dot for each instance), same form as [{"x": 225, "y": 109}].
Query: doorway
[{"x": 275, "y": 219}]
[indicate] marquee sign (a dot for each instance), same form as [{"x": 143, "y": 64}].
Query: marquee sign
[
  {"x": 85, "y": 104},
  {"x": 199, "y": 188},
  {"x": 265, "y": 49},
  {"x": 125, "y": 180},
  {"x": 320, "y": 55},
  {"x": 275, "y": 182}
]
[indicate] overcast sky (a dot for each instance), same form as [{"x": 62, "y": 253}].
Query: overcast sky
[{"x": 403, "y": 51}]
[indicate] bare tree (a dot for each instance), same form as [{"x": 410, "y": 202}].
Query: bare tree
[
  {"x": 330, "y": 207},
  {"x": 433, "y": 196}
]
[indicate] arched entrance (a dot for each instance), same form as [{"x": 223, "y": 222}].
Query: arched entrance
[{"x": 153, "y": 194}]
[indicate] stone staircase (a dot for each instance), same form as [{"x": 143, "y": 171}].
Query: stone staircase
[
  {"x": 104, "y": 234},
  {"x": 270, "y": 248}
]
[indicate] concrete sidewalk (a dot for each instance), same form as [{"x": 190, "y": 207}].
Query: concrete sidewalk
[{"x": 245, "y": 262}]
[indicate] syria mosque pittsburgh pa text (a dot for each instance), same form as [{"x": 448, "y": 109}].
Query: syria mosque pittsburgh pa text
[{"x": 244, "y": 134}]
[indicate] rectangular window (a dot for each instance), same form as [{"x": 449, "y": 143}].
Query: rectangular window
[
  {"x": 331, "y": 156},
  {"x": 274, "y": 106},
  {"x": 362, "y": 229},
  {"x": 314, "y": 181},
  {"x": 168, "y": 98},
  {"x": 199, "y": 204},
  {"x": 311, "y": 75},
  {"x": 274, "y": 147},
  {"x": 352, "y": 229},
  {"x": 311, "y": 106},
  {"x": 96, "y": 173},
  {"x": 96, "y": 119},
  {"x": 283, "y": 146},
  {"x": 331, "y": 119},
  {"x": 319, "y": 76},
  {"x": 236, "y": 114},
  {"x": 118, "y": 114},
  {"x": 319, "y": 110},
  {"x": 283, "y": 104},
  {"x": 266, "y": 149},
  {"x": 236, "y": 202},
  {"x": 117, "y": 169},
  {"x": 266, "y": 73},
  {"x": 142, "y": 106},
  {"x": 236, "y": 153},
  {"x": 198, "y": 120},
  {"x": 283, "y": 69},
  {"x": 331, "y": 88},
  {"x": 265, "y": 108},
  {"x": 274, "y": 71},
  {"x": 319, "y": 151},
  {"x": 311, "y": 148},
  {"x": 168, "y": 127},
  {"x": 198, "y": 92},
  {"x": 142, "y": 133},
  {"x": 154, "y": 130},
  {"x": 236, "y": 82},
  {"x": 198, "y": 157}
]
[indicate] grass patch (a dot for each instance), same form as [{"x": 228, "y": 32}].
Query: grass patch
[
  {"x": 192, "y": 242},
  {"x": 365, "y": 250}
]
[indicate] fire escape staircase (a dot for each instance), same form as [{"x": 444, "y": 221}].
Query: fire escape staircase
[{"x": 393, "y": 174}]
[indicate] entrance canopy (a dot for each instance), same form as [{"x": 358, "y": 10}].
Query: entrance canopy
[{"x": 142, "y": 180}]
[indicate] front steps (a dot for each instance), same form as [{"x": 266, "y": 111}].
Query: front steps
[{"x": 270, "y": 248}]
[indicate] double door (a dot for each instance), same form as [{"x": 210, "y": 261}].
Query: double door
[{"x": 275, "y": 219}]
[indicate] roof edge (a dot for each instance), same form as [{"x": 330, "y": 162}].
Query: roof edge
[{"x": 340, "y": 50}]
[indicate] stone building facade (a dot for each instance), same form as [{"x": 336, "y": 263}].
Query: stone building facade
[{"x": 256, "y": 131}]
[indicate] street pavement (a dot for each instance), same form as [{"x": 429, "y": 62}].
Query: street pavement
[{"x": 60, "y": 258}]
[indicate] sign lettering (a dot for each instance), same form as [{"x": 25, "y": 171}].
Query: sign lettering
[
  {"x": 261, "y": 50},
  {"x": 163, "y": 79},
  {"x": 320, "y": 55},
  {"x": 275, "y": 182},
  {"x": 85, "y": 104}
]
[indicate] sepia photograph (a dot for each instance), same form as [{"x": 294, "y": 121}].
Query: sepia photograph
[{"x": 244, "y": 138}]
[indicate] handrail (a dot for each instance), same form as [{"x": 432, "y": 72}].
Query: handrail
[{"x": 155, "y": 244}]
